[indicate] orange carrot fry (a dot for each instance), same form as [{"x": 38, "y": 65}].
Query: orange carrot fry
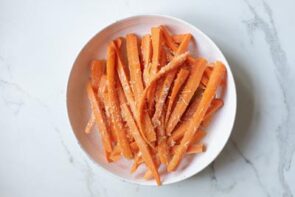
[
  {"x": 100, "y": 119},
  {"x": 143, "y": 148},
  {"x": 97, "y": 69},
  {"x": 179, "y": 81},
  {"x": 163, "y": 150},
  {"x": 168, "y": 38},
  {"x": 184, "y": 44},
  {"x": 198, "y": 148},
  {"x": 146, "y": 49},
  {"x": 103, "y": 96},
  {"x": 215, "y": 105},
  {"x": 156, "y": 57},
  {"x": 217, "y": 75},
  {"x": 156, "y": 44},
  {"x": 113, "y": 99},
  {"x": 192, "y": 149},
  {"x": 90, "y": 124},
  {"x": 134, "y": 65},
  {"x": 199, "y": 135},
  {"x": 172, "y": 65},
  {"x": 186, "y": 94},
  {"x": 162, "y": 98},
  {"x": 123, "y": 77}
]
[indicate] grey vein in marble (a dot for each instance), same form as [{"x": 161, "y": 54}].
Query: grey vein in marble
[
  {"x": 215, "y": 183},
  {"x": 284, "y": 132},
  {"x": 251, "y": 165}
]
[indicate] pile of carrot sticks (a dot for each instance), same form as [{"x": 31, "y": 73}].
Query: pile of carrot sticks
[{"x": 152, "y": 101}]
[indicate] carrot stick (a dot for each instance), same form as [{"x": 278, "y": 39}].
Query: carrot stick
[
  {"x": 122, "y": 73},
  {"x": 113, "y": 99},
  {"x": 136, "y": 78},
  {"x": 156, "y": 57},
  {"x": 103, "y": 96},
  {"x": 97, "y": 68},
  {"x": 179, "y": 81},
  {"x": 181, "y": 129},
  {"x": 156, "y": 44},
  {"x": 100, "y": 119},
  {"x": 215, "y": 105},
  {"x": 134, "y": 65},
  {"x": 163, "y": 150},
  {"x": 184, "y": 44},
  {"x": 162, "y": 98},
  {"x": 186, "y": 94},
  {"x": 168, "y": 38},
  {"x": 146, "y": 49},
  {"x": 218, "y": 73},
  {"x": 192, "y": 149},
  {"x": 198, "y": 148},
  {"x": 199, "y": 135},
  {"x": 143, "y": 148},
  {"x": 90, "y": 124}
]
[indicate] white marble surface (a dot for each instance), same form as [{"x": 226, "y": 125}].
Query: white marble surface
[{"x": 39, "y": 41}]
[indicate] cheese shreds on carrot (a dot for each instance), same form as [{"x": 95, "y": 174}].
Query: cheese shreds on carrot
[
  {"x": 186, "y": 94},
  {"x": 217, "y": 75},
  {"x": 143, "y": 148},
  {"x": 162, "y": 98},
  {"x": 172, "y": 65},
  {"x": 178, "y": 83},
  {"x": 100, "y": 119},
  {"x": 122, "y": 73},
  {"x": 156, "y": 34},
  {"x": 103, "y": 95},
  {"x": 137, "y": 83},
  {"x": 146, "y": 50},
  {"x": 115, "y": 108}
]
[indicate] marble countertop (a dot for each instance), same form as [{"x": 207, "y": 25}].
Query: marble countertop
[{"x": 39, "y": 41}]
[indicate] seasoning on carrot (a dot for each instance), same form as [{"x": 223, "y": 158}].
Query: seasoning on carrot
[
  {"x": 178, "y": 83},
  {"x": 113, "y": 99},
  {"x": 100, "y": 119},
  {"x": 143, "y": 148},
  {"x": 186, "y": 94},
  {"x": 217, "y": 75}
]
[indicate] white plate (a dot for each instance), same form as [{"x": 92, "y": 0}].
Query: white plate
[{"x": 78, "y": 105}]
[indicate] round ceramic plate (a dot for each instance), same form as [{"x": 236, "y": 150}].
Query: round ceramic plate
[{"x": 79, "y": 109}]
